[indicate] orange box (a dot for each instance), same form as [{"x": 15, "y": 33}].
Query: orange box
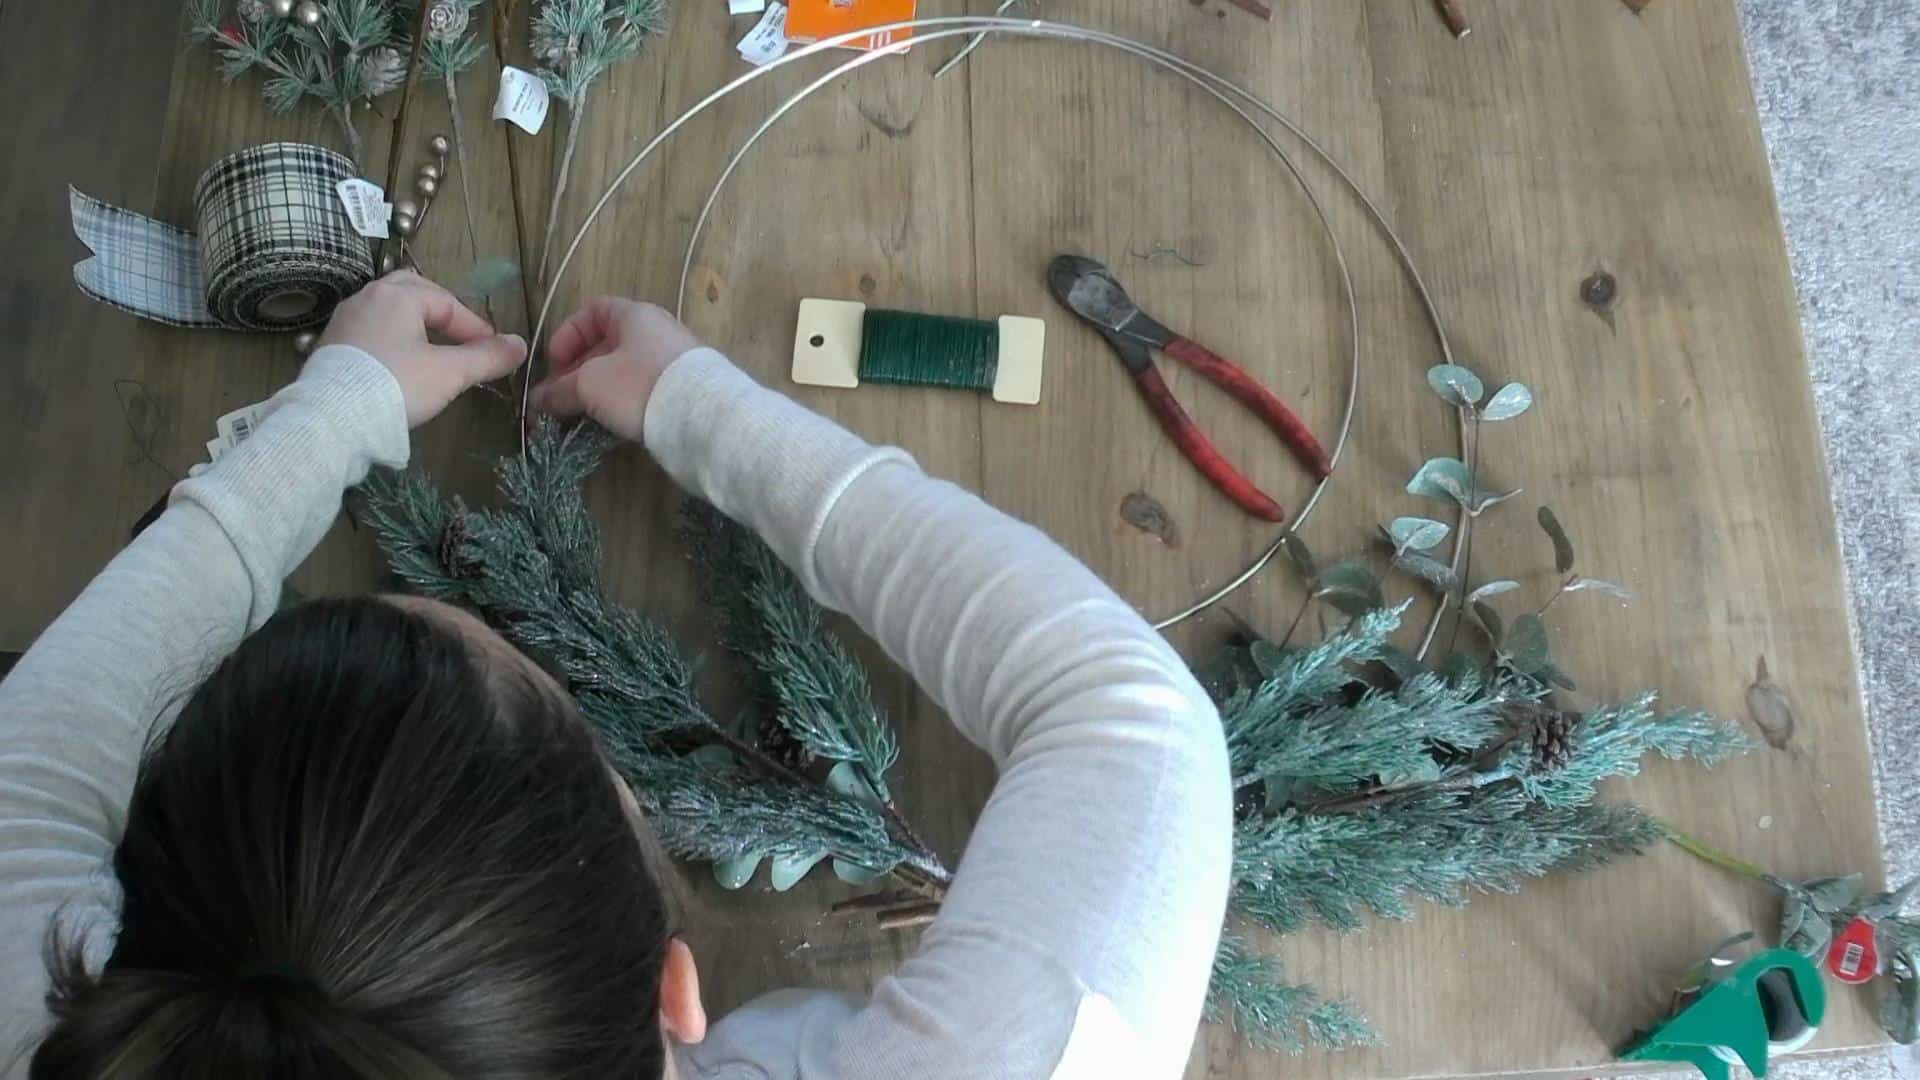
[{"x": 809, "y": 21}]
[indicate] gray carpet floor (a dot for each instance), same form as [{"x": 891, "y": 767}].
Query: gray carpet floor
[{"x": 1838, "y": 85}]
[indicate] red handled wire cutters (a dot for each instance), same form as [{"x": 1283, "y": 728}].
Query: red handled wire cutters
[{"x": 1090, "y": 291}]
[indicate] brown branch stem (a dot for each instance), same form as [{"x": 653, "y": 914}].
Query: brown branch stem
[
  {"x": 576, "y": 115},
  {"x": 502, "y": 15},
  {"x": 406, "y": 97},
  {"x": 933, "y": 879}
]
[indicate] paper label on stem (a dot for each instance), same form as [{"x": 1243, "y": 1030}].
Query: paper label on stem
[
  {"x": 367, "y": 206},
  {"x": 767, "y": 41},
  {"x": 522, "y": 101}
]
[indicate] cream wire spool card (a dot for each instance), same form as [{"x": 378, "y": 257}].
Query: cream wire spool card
[{"x": 273, "y": 246}]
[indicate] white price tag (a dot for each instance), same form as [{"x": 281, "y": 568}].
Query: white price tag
[
  {"x": 367, "y": 206},
  {"x": 767, "y": 41},
  {"x": 236, "y": 426},
  {"x": 746, "y": 7},
  {"x": 522, "y": 101}
]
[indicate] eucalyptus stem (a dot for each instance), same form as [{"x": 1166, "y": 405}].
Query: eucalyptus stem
[
  {"x": 1464, "y": 580},
  {"x": 1705, "y": 852},
  {"x": 1305, "y": 603}
]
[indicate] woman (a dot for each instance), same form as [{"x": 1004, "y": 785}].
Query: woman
[{"x": 374, "y": 840}]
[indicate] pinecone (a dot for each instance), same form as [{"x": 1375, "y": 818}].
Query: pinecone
[
  {"x": 1250, "y": 801},
  {"x": 382, "y": 70},
  {"x": 781, "y": 745},
  {"x": 446, "y": 20},
  {"x": 1553, "y": 739},
  {"x": 557, "y": 50},
  {"x": 453, "y": 555},
  {"x": 252, "y": 11}
]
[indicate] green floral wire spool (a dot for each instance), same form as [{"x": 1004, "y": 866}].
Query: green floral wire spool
[
  {"x": 843, "y": 343},
  {"x": 904, "y": 348}
]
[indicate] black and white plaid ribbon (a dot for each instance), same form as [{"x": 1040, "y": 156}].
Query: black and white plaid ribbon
[{"x": 273, "y": 247}]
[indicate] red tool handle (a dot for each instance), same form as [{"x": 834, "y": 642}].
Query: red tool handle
[
  {"x": 1230, "y": 377},
  {"x": 1200, "y": 450}
]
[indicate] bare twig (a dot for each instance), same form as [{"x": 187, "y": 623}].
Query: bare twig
[
  {"x": 502, "y": 18},
  {"x": 906, "y": 917},
  {"x": 406, "y": 96},
  {"x": 576, "y": 113},
  {"x": 1451, "y": 15}
]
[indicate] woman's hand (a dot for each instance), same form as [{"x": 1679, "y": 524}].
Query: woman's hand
[
  {"x": 390, "y": 319},
  {"x": 606, "y": 360}
]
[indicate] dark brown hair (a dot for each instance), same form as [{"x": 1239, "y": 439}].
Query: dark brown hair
[{"x": 362, "y": 850}]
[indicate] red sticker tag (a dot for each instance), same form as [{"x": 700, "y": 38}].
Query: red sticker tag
[{"x": 1855, "y": 954}]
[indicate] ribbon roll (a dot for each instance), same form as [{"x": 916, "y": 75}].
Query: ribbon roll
[{"x": 273, "y": 248}]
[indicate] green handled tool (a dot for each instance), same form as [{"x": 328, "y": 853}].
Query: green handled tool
[{"x": 1771, "y": 1004}]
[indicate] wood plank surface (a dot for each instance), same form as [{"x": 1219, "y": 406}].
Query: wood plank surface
[{"x": 1676, "y": 437}]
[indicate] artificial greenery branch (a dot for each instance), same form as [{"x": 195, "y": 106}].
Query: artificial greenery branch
[
  {"x": 353, "y": 51},
  {"x": 576, "y": 42},
  {"x": 1365, "y": 781},
  {"x": 451, "y": 48},
  {"x": 714, "y": 791}
]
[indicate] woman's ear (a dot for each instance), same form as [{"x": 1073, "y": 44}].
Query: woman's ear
[{"x": 681, "y": 1013}]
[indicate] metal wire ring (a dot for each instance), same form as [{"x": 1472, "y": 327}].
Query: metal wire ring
[{"x": 1216, "y": 85}]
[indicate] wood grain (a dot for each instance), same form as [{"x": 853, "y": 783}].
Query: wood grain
[
  {"x": 63, "y": 430},
  {"x": 1675, "y": 436}
]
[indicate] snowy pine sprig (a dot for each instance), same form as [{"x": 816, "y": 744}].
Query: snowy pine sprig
[
  {"x": 355, "y": 52},
  {"x": 532, "y": 570},
  {"x": 577, "y": 41}
]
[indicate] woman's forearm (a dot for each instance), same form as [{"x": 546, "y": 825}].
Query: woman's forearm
[{"x": 1104, "y": 848}]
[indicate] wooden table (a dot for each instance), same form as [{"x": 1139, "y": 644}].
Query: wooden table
[{"x": 1676, "y": 437}]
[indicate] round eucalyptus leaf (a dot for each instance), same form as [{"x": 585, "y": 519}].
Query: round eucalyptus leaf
[
  {"x": 1563, "y": 554},
  {"x": 1428, "y": 569},
  {"x": 1443, "y": 478},
  {"x": 787, "y": 872},
  {"x": 1267, "y": 657},
  {"x": 1456, "y": 385},
  {"x": 846, "y": 779},
  {"x": 1491, "y": 589},
  {"x": 854, "y": 874},
  {"x": 1489, "y": 619},
  {"x": 734, "y": 874},
  {"x": 1416, "y": 533},
  {"x": 1587, "y": 584},
  {"x": 1508, "y": 402},
  {"x": 1528, "y": 644}
]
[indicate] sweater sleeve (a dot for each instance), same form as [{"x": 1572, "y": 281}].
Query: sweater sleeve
[
  {"x": 77, "y": 710},
  {"x": 1079, "y": 932}
]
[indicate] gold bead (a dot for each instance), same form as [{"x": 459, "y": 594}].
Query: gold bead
[
  {"x": 407, "y": 207},
  {"x": 304, "y": 341},
  {"x": 426, "y": 186},
  {"x": 432, "y": 169},
  {"x": 282, "y": 9},
  {"x": 307, "y": 12},
  {"x": 440, "y": 145},
  {"x": 404, "y": 224}
]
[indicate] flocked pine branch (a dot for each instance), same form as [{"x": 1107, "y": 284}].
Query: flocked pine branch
[
  {"x": 453, "y": 46},
  {"x": 354, "y": 52},
  {"x": 1248, "y": 993},
  {"x": 1355, "y": 798},
  {"x": 817, "y": 690},
  {"x": 532, "y": 570},
  {"x": 576, "y": 42}
]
